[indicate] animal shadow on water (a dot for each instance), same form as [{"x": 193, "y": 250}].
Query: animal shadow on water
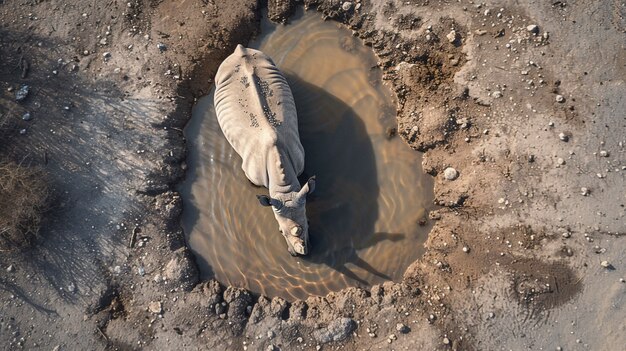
[{"x": 343, "y": 210}]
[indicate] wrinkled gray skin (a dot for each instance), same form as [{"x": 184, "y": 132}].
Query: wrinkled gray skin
[{"x": 257, "y": 114}]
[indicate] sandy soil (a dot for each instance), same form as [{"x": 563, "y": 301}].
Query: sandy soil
[{"x": 527, "y": 116}]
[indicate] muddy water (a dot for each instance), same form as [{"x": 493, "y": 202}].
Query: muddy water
[{"x": 371, "y": 192}]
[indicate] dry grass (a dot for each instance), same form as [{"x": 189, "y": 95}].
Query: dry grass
[{"x": 23, "y": 195}]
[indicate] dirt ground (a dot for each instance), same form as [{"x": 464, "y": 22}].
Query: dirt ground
[{"x": 524, "y": 101}]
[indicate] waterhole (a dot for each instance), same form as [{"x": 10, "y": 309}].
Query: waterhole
[{"x": 368, "y": 213}]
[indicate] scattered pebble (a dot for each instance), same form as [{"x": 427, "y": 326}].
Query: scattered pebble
[
  {"x": 566, "y": 235},
  {"x": 71, "y": 288},
  {"x": 106, "y": 56},
  {"x": 155, "y": 307},
  {"x": 162, "y": 47},
  {"x": 560, "y": 161},
  {"x": 452, "y": 36},
  {"x": 22, "y": 93},
  {"x": 560, "y": 99},
  {"x": 604, "y": 153},
  {"x": 497, "y": 94},
  {"x": 563, "y": 137},
  {"x": 402, "y": 328},
  {"x": 346, "y": 6},
  {"x": 22, "y": 131},
  {"x": 466, "y": 249},
  {"x": 606, "y": 264},
  {"x": 533, "y": 28},
  {"x": 450, "y": 173},
  {"x": 584, "y": 191},
  {"x": 10, "y": 268},
  {"x": 27, "y": 116},
  {"x": 446, "y": 341}
]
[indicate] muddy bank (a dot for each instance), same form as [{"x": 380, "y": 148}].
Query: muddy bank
[{"x": 523, "y": 102}]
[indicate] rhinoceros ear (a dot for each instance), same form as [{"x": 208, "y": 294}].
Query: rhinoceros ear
[
  {"x": 264, "y": 200},
  {"x": 268, "y": 201},
  {"x": 308, "y": 188}
]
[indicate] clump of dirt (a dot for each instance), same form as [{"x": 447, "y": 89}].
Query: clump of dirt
[{"x": 24, "y": 192}]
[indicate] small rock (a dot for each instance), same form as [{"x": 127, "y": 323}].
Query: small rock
[
  {"x": 446, "y": 341},
  {"x": 402, "y": 328},
  {"x": 533, "y": 28},
  {"x": 71, "y": 288},
  {"x": 450, "y": 173},
  {"x": 162, "y": 47},
  {"x": 220, "y": 308},
  {"x": 606, "y": 265},
  {"x": 22, "y": 131},
  {"x": 497, "y": 94},
  {"x": 560, "y": 99},
  {"x": 106, "y": 56},
  {"x": 346, "y": 6},
  {"x": 155, "y": 307},
  {"x": 392, "y": 337},
  {"x": 566, "y": 235},
  {"x": 10, "y": 268},
  {"x": 466, "y": 249},
  {"x": 117, "y": 269},
  {"x": 452, "y": 36},
  {"x": 563, "y": 137},
  {"x": 584, "y": 191},
  {"x": 604, "y": 153},
  {"x": 491, "y": 315},
  {"x": 560, "y": 161},
  {"x": 22, "y": 93},
  {"x": 27, "y": 116}
]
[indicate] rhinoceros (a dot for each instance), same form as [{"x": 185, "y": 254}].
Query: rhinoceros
[{"x": 257, "y": 114}]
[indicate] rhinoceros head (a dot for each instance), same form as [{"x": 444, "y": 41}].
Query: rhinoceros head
[{"x": 290, "y": 212}]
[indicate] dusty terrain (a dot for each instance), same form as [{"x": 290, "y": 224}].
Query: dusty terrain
[{"x": 524, "y": 101}]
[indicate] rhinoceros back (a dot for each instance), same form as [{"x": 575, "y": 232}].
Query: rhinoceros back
[{"x": 257, "y": 113}]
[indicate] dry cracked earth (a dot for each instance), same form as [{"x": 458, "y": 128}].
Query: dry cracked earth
[{"x": 518, "y": 108}]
